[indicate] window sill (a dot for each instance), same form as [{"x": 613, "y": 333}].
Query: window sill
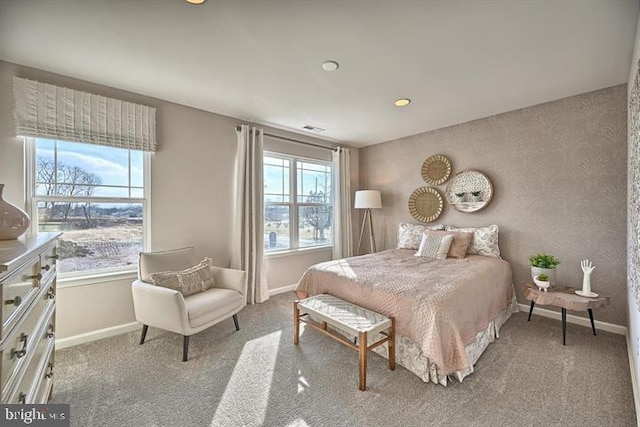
[
  {"x": 299, "y": 251},
  {"x": 95, "y": 278}
]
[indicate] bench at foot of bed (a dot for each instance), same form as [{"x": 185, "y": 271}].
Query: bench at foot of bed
[{"x": 350, "y": 318}]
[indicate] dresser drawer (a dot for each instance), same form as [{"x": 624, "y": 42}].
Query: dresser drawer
[
  {"x": 48, "y": 263},
  {"x": 27, "y": 389},
  {"x": 42, "y": 392},
  {"x": 25, "y": 339},
  {"x": 18, "y": 291}
]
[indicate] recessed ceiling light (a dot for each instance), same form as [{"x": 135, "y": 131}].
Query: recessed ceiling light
[
  {"x": 402, "y": 102},
  {"x": 195, "y": 1},
  {"x": 330, "y": 65}
]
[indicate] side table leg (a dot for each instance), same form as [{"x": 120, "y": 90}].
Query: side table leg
[
  {"x": 593, "y": 325},
  {"x": 531, "y": 310},
  {"x": 564, "y": 326},
  {"x": 363, "y": 360},
  {"x": 296, "y": 322}
]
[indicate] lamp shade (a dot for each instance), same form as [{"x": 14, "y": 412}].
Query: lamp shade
[{"x": 368, "y": 199}]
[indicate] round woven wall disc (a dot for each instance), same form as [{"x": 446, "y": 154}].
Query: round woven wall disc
[
  {"x": 425, "y": 204},
  {"x": 436, "y": 169}
]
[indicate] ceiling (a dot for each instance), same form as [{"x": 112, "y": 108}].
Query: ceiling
[{"x": 260, "y": 60}]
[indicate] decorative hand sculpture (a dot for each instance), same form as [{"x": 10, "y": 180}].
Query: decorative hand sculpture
[{"x": 587, "y": 268}]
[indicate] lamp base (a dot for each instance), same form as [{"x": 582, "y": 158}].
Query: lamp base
[{"x": 372, "y": 240}]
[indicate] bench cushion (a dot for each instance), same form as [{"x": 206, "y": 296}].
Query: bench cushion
[{"x": 343, "y": 314}]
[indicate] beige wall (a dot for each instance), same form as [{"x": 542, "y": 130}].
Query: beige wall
[
  {"x": 192, "y": 195},
  {"x": 558, "y": 171}
]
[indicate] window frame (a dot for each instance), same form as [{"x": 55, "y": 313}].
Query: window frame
[
  {"x": 88, "y": 276},
  {"x": 294, "y": 205}
]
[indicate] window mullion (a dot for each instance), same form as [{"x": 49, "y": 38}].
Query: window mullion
[{"x": 293, "y": 194}]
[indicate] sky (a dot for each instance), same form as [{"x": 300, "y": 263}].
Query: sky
[
  {"x": 110, "y": 164},
  {"x": 276, "y": 178}
]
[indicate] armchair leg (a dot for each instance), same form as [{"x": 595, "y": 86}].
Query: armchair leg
[
  {"x": 185, "y": 348},
  {"x": 235, "y": 320},
  {"x": 144, "y": 333}
]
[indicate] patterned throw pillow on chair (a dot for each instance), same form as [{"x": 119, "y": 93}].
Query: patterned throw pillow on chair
[{"x": 189, "y": 281}]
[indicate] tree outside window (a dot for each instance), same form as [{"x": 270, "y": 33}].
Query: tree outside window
[
  {"x": 95, "y": 196},
  {"x": 298, "y": 202}
]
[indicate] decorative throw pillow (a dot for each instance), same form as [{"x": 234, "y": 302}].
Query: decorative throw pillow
[
  {"x": 459, "y": 244},
  {"x": 189, "y": 281},
  {"x": 410, "y": 235},
  {"x": 485, "y": 240},
  {"x": 435, "y": 246}
]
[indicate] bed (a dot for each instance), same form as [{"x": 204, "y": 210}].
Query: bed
[{"x": 447, "y": 311}]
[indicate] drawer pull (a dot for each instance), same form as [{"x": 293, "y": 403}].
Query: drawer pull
[
  {"x": 46, "y": 267},
  {"x": 50, "y": 333},
  {"x": 50, "y": 373},
  {"x": 56, "y": 256},
  {"x": 36, "y": 276},
  {"x": 22, "y": 398},
  {"x": 20, "y": 353},
  {"x": 51, "y": 294},
  {"x": 15, "y": 301}
]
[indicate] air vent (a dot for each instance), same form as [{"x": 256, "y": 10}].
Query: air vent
[{"x": 313, "y": 128}]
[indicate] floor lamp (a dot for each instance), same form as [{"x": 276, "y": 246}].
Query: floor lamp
[{"x": 367, "y": 199}]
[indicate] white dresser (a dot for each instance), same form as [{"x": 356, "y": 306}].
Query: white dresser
[{"x": 27, "y": 304}]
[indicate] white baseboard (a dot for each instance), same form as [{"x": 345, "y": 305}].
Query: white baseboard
[
  {"x": 282, "y": 290},
  {"x": 96, "y": 335},
  {"x": 634, "y": 381},
  {"x": 582, "y": 321}
]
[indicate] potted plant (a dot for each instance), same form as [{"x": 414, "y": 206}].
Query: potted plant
[
  {"x": 546, "y": 264},
  {"x": 460, "y": 197},
  {"x": 542, "y": 282},
  {"x": 476, "y": 195}
]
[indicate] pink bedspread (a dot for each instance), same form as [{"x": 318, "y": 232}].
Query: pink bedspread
[{"x": 440, "y": 304}]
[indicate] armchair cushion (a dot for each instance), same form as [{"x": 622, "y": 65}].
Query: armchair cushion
[
  {"x": 211, "y": 305},
  {"x": 189, "y": 281}
]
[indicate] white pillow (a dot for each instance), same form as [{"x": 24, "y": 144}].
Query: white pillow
[
  {"x": 434, "y": 246},
  {"x": 410, "y": 235},
  {"x": 484, "y": 242}
]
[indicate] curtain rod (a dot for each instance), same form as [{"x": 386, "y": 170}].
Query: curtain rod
[{"x": 296, "y": 141}]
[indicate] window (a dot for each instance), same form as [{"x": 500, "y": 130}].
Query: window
[
  {"x": 96, "y": 195},
  {"x": 297, "y": 202}
]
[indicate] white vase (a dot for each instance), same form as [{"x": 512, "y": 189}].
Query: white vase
[
  {"x": 13, "y": 220},
  {"x": 551, "y": 272}
]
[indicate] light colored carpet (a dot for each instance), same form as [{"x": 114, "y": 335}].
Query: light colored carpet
[{"x": 258, "y": 377}]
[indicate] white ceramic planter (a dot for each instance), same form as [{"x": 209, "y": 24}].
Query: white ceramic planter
[{"x": 551, "y": 272}]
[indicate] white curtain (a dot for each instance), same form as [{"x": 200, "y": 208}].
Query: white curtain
[
  {"x": 342, "y": 236},
  {"x": 248, "y": 228},
  {"x": 48, "y": 111}
]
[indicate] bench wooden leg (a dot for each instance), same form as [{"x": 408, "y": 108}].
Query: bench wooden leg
[
  {"x": 296, "y": 322},
  {"x": 363, "y": 360},
  {"x": 392, "y": 345}
]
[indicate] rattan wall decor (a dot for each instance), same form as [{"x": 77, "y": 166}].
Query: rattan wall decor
[
  {"x": 425, "y": 204},
  {"x": 436, "y": 169},
  {"x": 469, "y": 191}
]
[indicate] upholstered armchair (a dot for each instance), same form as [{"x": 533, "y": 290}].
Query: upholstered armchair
[{"x": 168, "y": 309}]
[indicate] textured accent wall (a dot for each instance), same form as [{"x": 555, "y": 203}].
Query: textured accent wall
[
  {"x": 559, "y": 173},
  {"x": 633, "y": 183}
]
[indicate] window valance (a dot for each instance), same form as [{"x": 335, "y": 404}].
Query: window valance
[{"x": 48, "y": 111}]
